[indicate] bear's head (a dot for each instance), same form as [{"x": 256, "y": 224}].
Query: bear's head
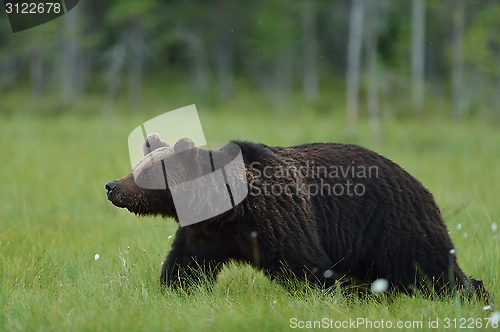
[
  {"x": 145, "y": 191},
  {"x": 185, "y": 182}
]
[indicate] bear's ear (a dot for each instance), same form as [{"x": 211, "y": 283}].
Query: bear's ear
[
  {"x": 184, "y": 144},
  {"x": 153, "y": 142}
]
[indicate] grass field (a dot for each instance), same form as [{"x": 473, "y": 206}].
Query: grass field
[{"x": 54, "y": 219}]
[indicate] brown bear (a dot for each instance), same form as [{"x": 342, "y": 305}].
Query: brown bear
[{"x": 323, "y": 211}]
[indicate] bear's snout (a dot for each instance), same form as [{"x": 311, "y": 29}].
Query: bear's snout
[{"x": 110, "y": 187}]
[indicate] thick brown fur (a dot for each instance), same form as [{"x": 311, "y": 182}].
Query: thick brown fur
[{"x": 394, "y": 230}]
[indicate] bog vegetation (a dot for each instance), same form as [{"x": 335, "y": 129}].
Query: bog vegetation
[
  {"x": 417, "y": 81},
  {"x": 72, "y": 261}
]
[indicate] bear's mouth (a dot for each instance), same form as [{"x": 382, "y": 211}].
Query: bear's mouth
[
  {"x": 125, "y": 200},
  {"x": 114, "y": 195},
  {"x": 117, "y": 200}
]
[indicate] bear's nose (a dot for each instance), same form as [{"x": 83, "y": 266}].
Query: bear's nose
[{"x": 110, "y": 186}]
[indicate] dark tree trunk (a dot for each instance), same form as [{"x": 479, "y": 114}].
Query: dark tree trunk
[
  {"x": 8, "y": 71},
  {"x": 458, "y": 57},
  {"x": 198, "y": 61},
  {"x": 71, "y": 71},
  {"x": 372, "y": 33},
  {"x": 224, "y": 66},
  {"x": 310, "y": 84},
  {"x": 135, "y": 66},
  {"x": 354, "y": 64},
  {"x": 283, "y": 72},
  {"x": 115, "y": 58},
  {"x": 418, "y": 55},
  {"x": 36, "y": 70},
  {"x": 497, "y": 99}
]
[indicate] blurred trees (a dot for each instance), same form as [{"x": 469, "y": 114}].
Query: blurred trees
[
  {"x": 418, "y": 54},
  {"x": 310, "y": 84},
  {"x": 72, "y": 64},
  {"x": 407, "y": 51},
  {"x": 458, "y": 57},
  {"x": 354, "y": 63}
]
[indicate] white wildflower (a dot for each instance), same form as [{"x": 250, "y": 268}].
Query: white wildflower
[
  {"x": 495, "y": 318},
  {"x": 379, "y": 286}
]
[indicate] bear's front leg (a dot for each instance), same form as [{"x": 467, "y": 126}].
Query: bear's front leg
[{"x": 192, "y": 259}]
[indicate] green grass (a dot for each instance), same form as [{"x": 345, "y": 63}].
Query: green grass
[{"x": 54, "y": 217}]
